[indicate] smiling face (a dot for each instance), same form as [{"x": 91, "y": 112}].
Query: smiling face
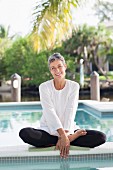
[{"x": 57, "y": 69}]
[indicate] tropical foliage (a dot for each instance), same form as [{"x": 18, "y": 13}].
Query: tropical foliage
[
  {"x": 21, "y": 58},
  {"x": 52, "y": 23},
  {"x": 4, "y": 39},
  {"x": 5, "y": 42},
  {"x": 53, "y": 32},
  {"x": 90, "y": 43},
  {"x": 104, "y": 10}
]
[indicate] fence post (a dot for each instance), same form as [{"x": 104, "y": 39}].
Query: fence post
[
  {"x": 95, "y": 86},
  {"x": 16, "y": 88},
  {"x": 81, "y": 73}
]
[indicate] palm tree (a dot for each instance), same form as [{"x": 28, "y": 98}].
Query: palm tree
[
  {"x": 5, "y": 40},
  {"x": 3, "y": 32},
  {"x": 92, "y": 44},
  {"x": 104, "y": 10},
  {"x": 52, "y": 23}
]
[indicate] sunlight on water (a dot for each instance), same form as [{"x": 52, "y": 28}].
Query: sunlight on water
[{"x": 12, "y": 122}]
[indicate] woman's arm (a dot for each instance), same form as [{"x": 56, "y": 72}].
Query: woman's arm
[
  {"x": 53, "y": 121},
  {"x": 50, "y": 115},
  {"x": 71, "y": 107}
]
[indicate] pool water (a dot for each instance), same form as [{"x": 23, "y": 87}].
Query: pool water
[
  {"x": 87, "y": 120},
  {"x": 60, "y": 165},
  {"x": 11, "y": 121}
]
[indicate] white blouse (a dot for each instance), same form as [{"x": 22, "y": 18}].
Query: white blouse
[{"x": 59, "y": 106}]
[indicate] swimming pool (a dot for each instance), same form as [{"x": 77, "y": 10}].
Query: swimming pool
[
  {"x": 15, "y": 116},
  {"x": 71, "y": 163}
]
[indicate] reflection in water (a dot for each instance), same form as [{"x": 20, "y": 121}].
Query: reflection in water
[
  {"x": 87, "y": 121},
  {"x": 5, "y": 122},
  {"x": 12, "y": 121},
  {"x": 64, "y": 165},
  {"x": 58, "y": 165},
  {"x": 5, "y": 125},
  {"x": 68, "y": 164}
]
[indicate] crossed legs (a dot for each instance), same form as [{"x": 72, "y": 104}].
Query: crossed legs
[{"x": 40, "y": 138}]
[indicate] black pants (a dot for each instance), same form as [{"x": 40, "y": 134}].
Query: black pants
[{"x": 40, "y": 138}]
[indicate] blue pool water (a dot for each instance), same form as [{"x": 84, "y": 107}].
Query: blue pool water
[
  {"x": 15, "y": 117},
  {"x": 60, "y": 165}
]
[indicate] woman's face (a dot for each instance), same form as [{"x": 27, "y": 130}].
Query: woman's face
[{"x": 57, "y": 69}]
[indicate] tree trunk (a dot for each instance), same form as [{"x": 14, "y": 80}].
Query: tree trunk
[{"x": 97, "y": 64}]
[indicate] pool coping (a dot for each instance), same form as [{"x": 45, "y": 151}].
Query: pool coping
[
  {"x": 27, "y": 151},
  {"x": 108, "y": 106}
]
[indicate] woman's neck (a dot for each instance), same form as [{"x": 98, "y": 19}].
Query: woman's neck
[{"x": 59, "y": 85}]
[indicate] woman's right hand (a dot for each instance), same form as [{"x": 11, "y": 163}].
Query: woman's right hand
[{"x": 57, "y": 147}]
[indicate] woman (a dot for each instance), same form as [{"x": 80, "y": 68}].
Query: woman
[{"x": 59, "y": 99}]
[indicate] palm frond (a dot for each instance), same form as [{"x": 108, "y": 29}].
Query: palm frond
[{"x": 53, "y": 21}]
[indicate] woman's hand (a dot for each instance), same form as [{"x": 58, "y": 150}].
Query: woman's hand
[
  {"x": 57, "y": 147},
  {"x": 63, "y": 143},
  {"x": 64, "y": 146}
]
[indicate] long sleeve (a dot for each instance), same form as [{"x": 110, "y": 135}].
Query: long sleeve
[
  {"x": 49, "y": 113},
  {"x": 71, "y": 107}
]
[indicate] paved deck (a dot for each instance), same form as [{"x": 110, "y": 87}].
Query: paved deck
[
  {"x": 28, "y": 158},
  {"x": 26, "y": 150}
]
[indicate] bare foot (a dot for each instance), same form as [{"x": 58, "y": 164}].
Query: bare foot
[{"x": 78, "y": 133}]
